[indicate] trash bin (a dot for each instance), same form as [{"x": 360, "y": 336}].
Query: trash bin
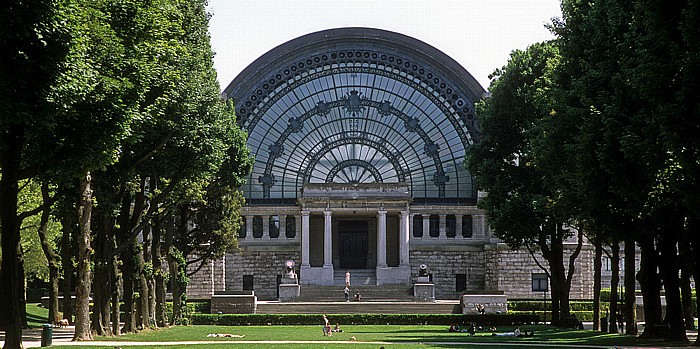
[
  {"x": 604, "y": 324},
  {"x": 46, "y": 335}
]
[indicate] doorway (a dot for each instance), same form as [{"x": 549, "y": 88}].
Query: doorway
[{"x": 353, "y": 241}]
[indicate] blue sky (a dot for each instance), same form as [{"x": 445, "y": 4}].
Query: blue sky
[{"x": 479, "y": 34}]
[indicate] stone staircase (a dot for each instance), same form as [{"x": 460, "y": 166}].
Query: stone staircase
[
  {"x": 376, "y": 299},
  {"x": 377, "y": 307}
]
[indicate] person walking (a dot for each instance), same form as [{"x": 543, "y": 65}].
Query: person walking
[{"x": 346, "y": 292}]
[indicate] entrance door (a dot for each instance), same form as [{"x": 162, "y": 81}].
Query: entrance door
[{"x": 353, "y": 244}]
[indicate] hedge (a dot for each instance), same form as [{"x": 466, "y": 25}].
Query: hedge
[
  {"x": 583, "y": 315},
  {"x": 363, "y": 319}
]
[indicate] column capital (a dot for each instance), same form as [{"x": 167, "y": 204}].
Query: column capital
[{"x": 305, "y": 212}]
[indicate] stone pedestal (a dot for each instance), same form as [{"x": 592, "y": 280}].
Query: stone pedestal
[
  {"x": 424, "y": 291},
  {"x": 288, "y": 292},
  {"x": 244, "y": 302},
  {"x": 289, "y": 287}
]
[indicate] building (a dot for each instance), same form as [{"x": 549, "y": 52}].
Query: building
[{"x": 359, "y": 137}]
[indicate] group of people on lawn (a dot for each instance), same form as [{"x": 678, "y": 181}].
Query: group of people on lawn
[{"x": 472, "y": 330}]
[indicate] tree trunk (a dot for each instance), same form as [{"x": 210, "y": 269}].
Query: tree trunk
[
  {"x": 668, "y": 267},
  {"x": 687, "y": 298},
  {"x": 116, "y": 308},
  {"x": 558, "y": 281},
  {"x": 103, "y": 281},
  {"x": 597, "y": 266},
  {"x": 82, "y": 294},
  {"x": 693, "y": 234},
  {"x": 614, "y": 283},
  {"x": 143, "y": 313},
  {"x": 10, "y": 163},
  {"x": 51, "y": 257},
  {"x": 147, "y": 281},
  {"x": 129, "y": 290},
  {"x": 173, "y": 266},
  {"x": 67, "y": 249},
  {"x": 159, "y": 273},
  {"x": 21, "y": 282},
  {"x": 630, "y": 286},
  {"x": 651, "y": 287}
]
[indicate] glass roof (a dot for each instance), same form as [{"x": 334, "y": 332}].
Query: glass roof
[{"x": 342, "y": 120}]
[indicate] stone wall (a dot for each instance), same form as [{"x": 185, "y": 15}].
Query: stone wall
[
  {"x": 514, "y": 270},
  {"x": 209, "y": 279},
  {"x": 445, "y": 265},
  {"x": 263, "y": 265}
]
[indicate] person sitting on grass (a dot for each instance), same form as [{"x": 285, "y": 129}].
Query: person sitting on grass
[{"x": 337, "y": 328}]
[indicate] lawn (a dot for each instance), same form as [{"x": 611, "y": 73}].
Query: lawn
[
  {"x": 397, "y": 335},
  {"x": 36, "y": 315}
]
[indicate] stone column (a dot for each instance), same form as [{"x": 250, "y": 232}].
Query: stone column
[
  {"x": 479, "y": 228},
  {"x": 458, "y": 227},
  {"x": 283, "y": 226},
  {"x": 404, "y": 237},
  {"x": 327, "y": 242},
  {"x": 442, "y": 232},
  {"x": 426, "y": 226},
  {"x": 249, "y": 228},
  {"x": 410, "y": 225},
  {"x": 266, "y": 227},
  {"x": 297, "y": 226},
  {"x": 305, "y": 239},
  {"x": 381, "y": 239}
]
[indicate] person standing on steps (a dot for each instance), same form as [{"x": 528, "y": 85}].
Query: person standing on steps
[{"x": 347, "y": 278}]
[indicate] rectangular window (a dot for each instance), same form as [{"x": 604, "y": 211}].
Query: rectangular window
[
  {"x": 274, "y": 227},
  {"x": 434, "y": 225},
  {"x": 450, "y": 226},
  {"x": 606, "y": 264},
  {"x": 247, "y": 282},
  {"x": 467, "y": 230},
  {"x": 539, "y": 282},
  {"x": 257, "y": 227},
  {"x": 460, "y": 282},
  {"x": 418, "y": 226},
  {"x": 291, "y": 227}
]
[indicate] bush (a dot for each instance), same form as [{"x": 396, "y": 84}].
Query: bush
[{"x": 362, "y": 319}]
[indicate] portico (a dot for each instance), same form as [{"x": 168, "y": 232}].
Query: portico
[{"x": 352, "y": 213}]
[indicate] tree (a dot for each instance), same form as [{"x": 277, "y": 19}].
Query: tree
[
  {"x": 518, "y": 169},
  {"x": 34, "y": 44}
]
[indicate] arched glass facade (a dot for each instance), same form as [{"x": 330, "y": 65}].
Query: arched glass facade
[{"x": 357, "y": 105}]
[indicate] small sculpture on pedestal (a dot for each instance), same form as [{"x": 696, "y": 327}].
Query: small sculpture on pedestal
[
  {"x": 423, "y": 289},
  {"x": 289, "y": 285},
  {"x": 423, "y": 276}
]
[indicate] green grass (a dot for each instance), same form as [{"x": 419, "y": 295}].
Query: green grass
[
  {"x": 36, "y": 315},
  {"x": 401, "y": 334}
]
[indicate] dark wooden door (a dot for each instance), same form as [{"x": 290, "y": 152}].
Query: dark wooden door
[{"x": 353, "y": 245}]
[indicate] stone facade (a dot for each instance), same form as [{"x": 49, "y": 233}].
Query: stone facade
[
  {"x": 265, "y": 267},
  {"x": 208, "y": 280},
  {"x": 444, "y": 266}
]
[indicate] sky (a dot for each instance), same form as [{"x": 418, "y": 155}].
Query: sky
[{"x": 478, "y": 34}]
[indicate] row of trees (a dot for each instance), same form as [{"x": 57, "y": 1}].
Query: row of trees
[
  {"x": 595, "y": 133},
  {"x": 111, "y": 121}
]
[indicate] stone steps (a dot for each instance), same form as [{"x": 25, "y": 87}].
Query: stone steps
[
  {"x": 439, "y": 307},
  {"x": 370, "y": 293}
]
